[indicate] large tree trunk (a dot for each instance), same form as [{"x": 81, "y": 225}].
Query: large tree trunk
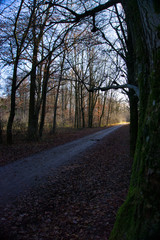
[
  {"x": 133, "y": 99},
  {"x": 133, "y": 102},
  {"x": 139, "y": 216},
  {"x": 90, "y": 110}
]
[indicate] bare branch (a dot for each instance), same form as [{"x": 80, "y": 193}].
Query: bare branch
[
  {"x": 88, "y": 13},
  {"x": 16, "y": 21},
  {"x": 50, "y": 53},
  {"x": 130, "y": 86},
  {"x": 112, "y": 46},
  {"x": 97, "y": 9}
]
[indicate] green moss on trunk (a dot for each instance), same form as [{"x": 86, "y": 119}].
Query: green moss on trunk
[{"x": 139, "y": 216}]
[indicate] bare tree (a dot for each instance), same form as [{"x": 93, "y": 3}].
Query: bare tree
[
  {"x": 138, "y": 217},
  {"x": 57, "y": 93},
  {"x": 17, "y": 46},
  {"x": 37, "y": 34}
]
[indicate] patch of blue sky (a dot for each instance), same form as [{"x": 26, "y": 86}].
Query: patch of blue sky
[{"x": 4, "y": 1}]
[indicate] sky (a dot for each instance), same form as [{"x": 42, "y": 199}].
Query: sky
[{"x": 4, "y": 1}]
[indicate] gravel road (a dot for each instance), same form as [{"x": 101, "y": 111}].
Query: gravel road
[{"x": 18, "y": 177}]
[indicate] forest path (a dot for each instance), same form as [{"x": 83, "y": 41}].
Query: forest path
[{"x": 18, "y": 177}]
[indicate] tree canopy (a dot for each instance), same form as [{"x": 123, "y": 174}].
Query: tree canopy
[{"x": 43, "y": 31}]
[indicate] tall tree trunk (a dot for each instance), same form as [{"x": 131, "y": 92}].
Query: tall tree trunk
[
  {"x": 57, "y": 95},
  {"x": 82, "y": 91},
  {"x": 82, "y": 107},
  {"x": 19, "y": 45},
  {"x": 33, "y": 121},
  {"x": 90, "y": 110},
  {"x": 76, "y": 123},
  {"x": 133, "y": 99},
  {"x": 103, "y": 109},
  {"x": 79, "y": 106},
  {"x": 139, "y": 217},
  {"x": 34, "y": 107},
  {"x": 44, "y": 94},
  {"x": 13, "y": 103},
  {"x": 62, "y": 106},
  {"x": 133, "y": 102},
  {"x": 109, "y": 110},
  {"x": 55, "y": 108},
  {"x": 70, "y": 104}
]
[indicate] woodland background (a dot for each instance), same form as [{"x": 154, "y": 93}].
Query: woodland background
[{"x": 50, "y": 68}]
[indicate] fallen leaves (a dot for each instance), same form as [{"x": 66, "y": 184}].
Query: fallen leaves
[
  {"x": 20, "y": 148},
  {"x": 79, "y": 202}
]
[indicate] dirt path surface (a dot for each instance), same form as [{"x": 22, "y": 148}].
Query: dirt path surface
[
  {"x": 79, "y": 201},
  {"x": 17, "y": 177},
  {"x": 21, "y": 148}
]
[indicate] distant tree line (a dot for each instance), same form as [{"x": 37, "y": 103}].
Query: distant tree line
[{"x": 54, "y": 65}]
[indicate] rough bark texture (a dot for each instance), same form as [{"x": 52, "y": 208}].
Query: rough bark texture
[
  {"x": 133, "y": 99},
  {"x": 139, "y": 216}
]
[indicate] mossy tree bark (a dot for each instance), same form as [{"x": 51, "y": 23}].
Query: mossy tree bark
[
  {"x": 133, "y": 99},
  {"x": 139, "y": 216}
]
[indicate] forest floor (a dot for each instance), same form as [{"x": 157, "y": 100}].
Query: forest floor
[
  {"x": 21, "y": 148},
  {"x": 80, "y": 201}
]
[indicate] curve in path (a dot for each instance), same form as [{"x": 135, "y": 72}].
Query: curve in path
[{"x": 19, "y": 176}]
